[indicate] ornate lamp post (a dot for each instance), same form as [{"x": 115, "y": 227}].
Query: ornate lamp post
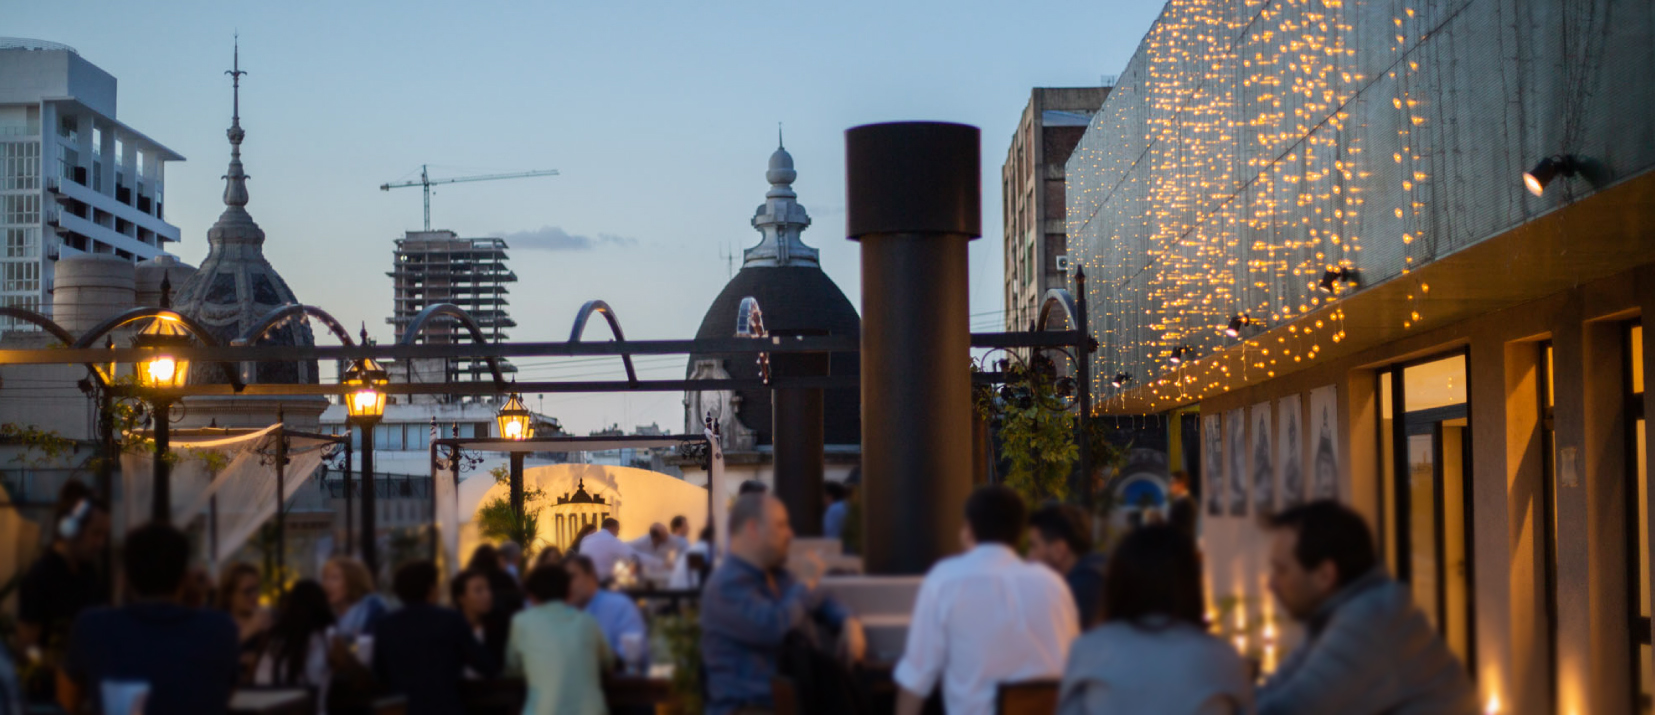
[
  {"x": 517, "y": 424},
  {"x": 162, "y": 371},
  {"x": 364, "y": 382}
]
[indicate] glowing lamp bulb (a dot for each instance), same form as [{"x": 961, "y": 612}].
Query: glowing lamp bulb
[
  {"x": 364, "y": 399},
  {"x": 161, "y": 370},
  {"x": 514, "y": 430},
  {"x": 1538, "y": 189},
  {"x": 1493, "y": 705}
]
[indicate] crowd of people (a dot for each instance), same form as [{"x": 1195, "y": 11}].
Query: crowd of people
[{"x": 1124, "y": 633}]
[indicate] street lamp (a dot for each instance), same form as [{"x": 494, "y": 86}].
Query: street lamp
[
  {"x": 364, "y": 382},
  {"x": 516, "y": 424},
  {"x": 162, "y": 370}
]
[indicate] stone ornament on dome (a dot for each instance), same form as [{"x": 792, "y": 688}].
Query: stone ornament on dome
[{"x": 780, "y": 218}]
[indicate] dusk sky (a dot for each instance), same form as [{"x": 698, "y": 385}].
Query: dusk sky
[{"x": 660, "y": 117}]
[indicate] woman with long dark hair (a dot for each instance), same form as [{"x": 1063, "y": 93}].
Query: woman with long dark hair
[
  {"x": 238, "y": 595},
  {"x": 1152, "y": 654},
  {"x": 297, "y": 649}
]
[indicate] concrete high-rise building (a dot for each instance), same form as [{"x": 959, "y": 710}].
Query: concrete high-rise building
[
  {"x": 73, "y": 179},
  {"x": 434, "y": 267},
  {"x": 1031, "y": 193}
]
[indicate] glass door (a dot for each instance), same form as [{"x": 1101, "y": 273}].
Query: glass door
[{"x": 1429, "y": 499}]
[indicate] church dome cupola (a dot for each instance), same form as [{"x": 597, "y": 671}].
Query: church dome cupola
[{"x": 235, "y": 285}]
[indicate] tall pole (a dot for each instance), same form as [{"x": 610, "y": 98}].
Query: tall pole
[
  {"x": 350, "y": 544},
  {"x": 160, "y": 505},
  {"x": 914, "y": 201},
  {"x": 369, "y": 537},
  {"x": 797, "y": 426},
  {"x": 1083, "y": 382},
  {"x": 106, "y": 478},
  {"x": 281, "y": 495},
  {"x": 516, "y": 492}
]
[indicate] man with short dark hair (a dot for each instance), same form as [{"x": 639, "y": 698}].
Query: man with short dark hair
[
  {"x": 559, "y": 650},
  {"x": 1367, "y": 648},
  {"x": 423, "y": 649},
  {"x": 617, "y": 615},
  {"x": 1060, "y": 536},
  {"x": 752, "y": 486},
  {"x": 751, "y": 604},
  {"x": 680, "y": 527},
  {"x": 985, "y": 617},
  {"x": 185, "y": 657}
]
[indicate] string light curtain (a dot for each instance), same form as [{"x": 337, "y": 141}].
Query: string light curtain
[{"x": 1252, "y": 146}]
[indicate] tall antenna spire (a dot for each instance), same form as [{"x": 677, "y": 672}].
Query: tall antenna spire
[
  {"x": 779, "y": 144},
  {"x": 235, "y": 191}
]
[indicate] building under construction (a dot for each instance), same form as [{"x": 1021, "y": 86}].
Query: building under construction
[{"x": 434, "y": 267}]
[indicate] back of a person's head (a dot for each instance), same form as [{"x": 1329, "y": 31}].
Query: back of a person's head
[
  {"x": 1154, "y": 571},
  {"x": 304, "y": 609},
  {"x": 484, "y": 558},
  {"x": 547, "y": 583},
  {"x": 156, "y": 557},
  {"x": 511, "y": 551},
  {"x": 753, "y": 486},
  {"x": 584, "y": 563},
  {"x": 679, "y": 522},
  {"x": 414, "y": 582},
  {"x": 747, "y": 509},
  {"x": 835, "y": 491},
  {"x": 611, "y": 524},
  {"x": 995, "y": 515},
  {"x": 1330, "y": 531},
  {"x": 1066, "y": 523}
]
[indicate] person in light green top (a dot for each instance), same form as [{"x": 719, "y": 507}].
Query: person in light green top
[{"x": 558, "y": 649}]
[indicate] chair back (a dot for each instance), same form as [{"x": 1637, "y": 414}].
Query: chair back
[
  {"x": 786, "y": 696},
  {"x": 1030, "y": 697}
]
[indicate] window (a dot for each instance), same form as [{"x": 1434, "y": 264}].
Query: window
[
  {"x": 19, "y": 165},
  {"x": 21, "y": 277},
  {"x": 23, "y": 208},
  {"x": 1427, "y": 520},
  {"x": 21, "y": 242},
  {"x": 1637, "y": 520}
]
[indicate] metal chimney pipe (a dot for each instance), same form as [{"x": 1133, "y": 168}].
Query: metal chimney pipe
[
  {"x": 797, "y": 435},
  {"x": 914, "y": 202}
]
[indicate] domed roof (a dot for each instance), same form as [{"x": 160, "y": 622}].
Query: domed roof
[
  {"x": 791, "y": 298},
  {"x": 235, "y": 285}
]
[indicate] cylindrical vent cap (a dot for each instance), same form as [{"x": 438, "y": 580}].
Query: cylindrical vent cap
[{"x": 913, "y": 177}]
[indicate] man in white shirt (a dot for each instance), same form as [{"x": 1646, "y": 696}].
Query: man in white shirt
[
  {"x": 985, "y": 617},
  {"x": 605, "y": 548},
  {"x": 680, "y": 534}
]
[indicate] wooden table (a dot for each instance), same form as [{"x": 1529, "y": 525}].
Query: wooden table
[
  {"x": 272, "y": 701},
  {"x": 619, "y": 691}
]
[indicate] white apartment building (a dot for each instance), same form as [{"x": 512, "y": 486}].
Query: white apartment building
[{"x": 73, "y": 179}]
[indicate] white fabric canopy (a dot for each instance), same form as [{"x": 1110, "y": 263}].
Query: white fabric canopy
[{"x": 245, "y": 486}]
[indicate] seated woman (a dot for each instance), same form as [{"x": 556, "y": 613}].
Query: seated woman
[
  {"x": 297, "y": 648},
  {"x": 350, "y": 590},
  {"x": 238, "y": 595},
  {"x": 469, "y": 593},
  {"x": 1152, "y": 654}
]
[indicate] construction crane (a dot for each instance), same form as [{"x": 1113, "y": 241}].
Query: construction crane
[{"x": 426, "y": 182}]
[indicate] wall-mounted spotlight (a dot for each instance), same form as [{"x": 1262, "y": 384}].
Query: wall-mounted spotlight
[
  {"x": 1549, "y": 168},
  {"x": 1335, "y": 276},
  {"x": 1237, "y": 322},
  {"x": 1178, "y": 354},
  {"x": 1120, "y": 380}
]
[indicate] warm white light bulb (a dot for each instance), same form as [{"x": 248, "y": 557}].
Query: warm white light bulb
[
  {"x": 161, "y": 370},
  {"x": 364, "y": 399},
  {"x": 514, "y": 429}
]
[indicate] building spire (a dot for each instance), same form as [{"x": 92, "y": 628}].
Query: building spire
[
  {"x": 235, "y": 190},
  {"x": 780, "y": 218}
]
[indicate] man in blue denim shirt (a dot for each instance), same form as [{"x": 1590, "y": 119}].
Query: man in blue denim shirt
[{"x": 751, "y": 603}]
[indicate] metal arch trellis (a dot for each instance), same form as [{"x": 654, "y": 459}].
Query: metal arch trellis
[
  {"x": 601, "y": 307},
  {"x": 449, "y": 310}
]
